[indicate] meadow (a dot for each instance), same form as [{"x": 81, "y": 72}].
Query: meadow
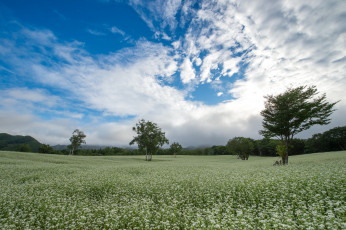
[{"x": 39, "y": 191}]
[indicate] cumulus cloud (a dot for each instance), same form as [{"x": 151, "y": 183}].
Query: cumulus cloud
[
  {"x": 56, "y": 131},
  {"x": 187, "y": 73}
]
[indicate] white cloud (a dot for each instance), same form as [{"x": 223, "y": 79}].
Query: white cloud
[
  {"x": 30, "y": 95},
  {"x": 116, "y": 30},
  {"x": 95, "y": 32},
  {"x": 230, "y": 66},
  {"x": 158, "y": 14},
  {"x": 52, "y": 132},
  {"x": 198, "y": 61},
  {"x": 187, "y": 73}
]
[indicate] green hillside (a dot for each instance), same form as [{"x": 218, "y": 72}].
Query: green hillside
[
  {"x": 47, "y": 191},
  {"x": 14, "y": 143}
]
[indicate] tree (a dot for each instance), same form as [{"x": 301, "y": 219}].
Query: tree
[
  {"x": 240, "y": 146},
  {"x": 24, "y": 148},
  {"x": 331, "y": 140},
  {"x": 295, "y": 110},
  {"x": 175, "y": 148},
  {"x": 335, "y": 139},
  {"x": 267, "y": 147},
  {"x": 219, "y": 150},
  {"x": 76, "y": 140},
  {"x": 149, "y": 138},
  {"x": 45, "y": 149}
]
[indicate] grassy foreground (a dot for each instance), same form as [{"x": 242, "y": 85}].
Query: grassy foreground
[{"x": 187, "y": 192}]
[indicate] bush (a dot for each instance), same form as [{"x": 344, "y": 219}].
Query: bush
[
  {"x": 24, "y": 148},
  {"x": 45, "y": 149}
]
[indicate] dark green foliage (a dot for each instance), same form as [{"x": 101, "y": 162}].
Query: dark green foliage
[
  {"x": 295, "y": 110},
  {"x": 197, "y": 151},
  {"x": 162, "y": 151},
  {"x": 24, "y": 148},
  {"x": 266, "y": 146},
  {"x": 331, "y": 140},
  {"x": 108, "y": 151},
  {"x": 12, "y": 143},
  {"x": 208, "y": 151},
  {"x": 315, "y": 144},
  {"x": 175, "y": 148},
  {"x": 219, "y": 150},
  {"x": 149, "y": 138},
  {"x": 45, "y": 149},
  {"x": 297, "y": 146},
  {"x": 241, "y": 146}
]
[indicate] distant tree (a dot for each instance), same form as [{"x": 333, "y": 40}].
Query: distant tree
[
  {"x": 208, "y": 151},
  {"x": 149, "y": 138},
  {"x": 240, "y": 146},
  {"x": 219, "y": 150},
  {"x": 266, "y": 146},
  {"x": 293, "y": 111},
  {"x": 24, "y": 148},
  {"x": 331, "y": 140},
  {"x": 315, "y": 144},
  {"x": 76, "y": 140},
  {"x": 162, "y": 151},
  {"x": 175, "y": 148},
  {"x": 297, "y": 146},
  {"x": 45, "y": 149},
  {"x": 335, "y": 139}
]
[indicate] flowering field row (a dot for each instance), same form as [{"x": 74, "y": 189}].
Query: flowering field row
[{"x": 210, "y": 192}]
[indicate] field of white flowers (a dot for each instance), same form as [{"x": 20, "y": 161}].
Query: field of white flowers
[{"x": 188, "y": 192}]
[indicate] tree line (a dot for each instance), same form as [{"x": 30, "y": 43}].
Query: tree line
[
  {"x": 284, "y": 116},
  {"x": 331, "y": 140}
]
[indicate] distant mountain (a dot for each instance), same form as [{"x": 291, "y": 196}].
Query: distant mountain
[{"x": 13, "y": 143}]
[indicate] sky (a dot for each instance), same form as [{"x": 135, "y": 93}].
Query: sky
[{"x": 198, "y": 69}]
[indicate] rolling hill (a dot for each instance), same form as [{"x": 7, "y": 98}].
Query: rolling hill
[{"x": 12, "y": 143}]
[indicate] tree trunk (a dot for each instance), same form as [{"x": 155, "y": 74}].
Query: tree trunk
[
  {"x": 287, "y": 145},
  {"x": 285, "y": 157},
  {"x": 146, "y": 154}
]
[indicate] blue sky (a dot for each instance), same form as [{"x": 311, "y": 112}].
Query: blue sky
[{"x": 199, "y": 69}]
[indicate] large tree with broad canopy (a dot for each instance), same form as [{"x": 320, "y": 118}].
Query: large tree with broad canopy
[{"x": 291, "y": 112}]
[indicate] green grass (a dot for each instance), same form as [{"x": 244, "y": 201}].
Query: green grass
[{"x": 187, "y": 192}]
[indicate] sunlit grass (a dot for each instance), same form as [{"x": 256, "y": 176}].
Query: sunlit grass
[{"x": 186, "y": 192}]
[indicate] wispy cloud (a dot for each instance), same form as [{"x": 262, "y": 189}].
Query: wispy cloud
[
  {"x": 158, "y": 14},
  {"x": 116, "y": 30},
  {"x": 95, "y": 32},
  {"x": 60, "y": 15}
]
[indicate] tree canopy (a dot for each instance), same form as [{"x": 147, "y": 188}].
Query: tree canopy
[
  {"x": 241, "y": 146},
  {"x": 76, "y": 140},
  {"x": 295, "y": 110},
  {"x": 175, "y": 148},
  {"x": 149, "y": 138}
]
